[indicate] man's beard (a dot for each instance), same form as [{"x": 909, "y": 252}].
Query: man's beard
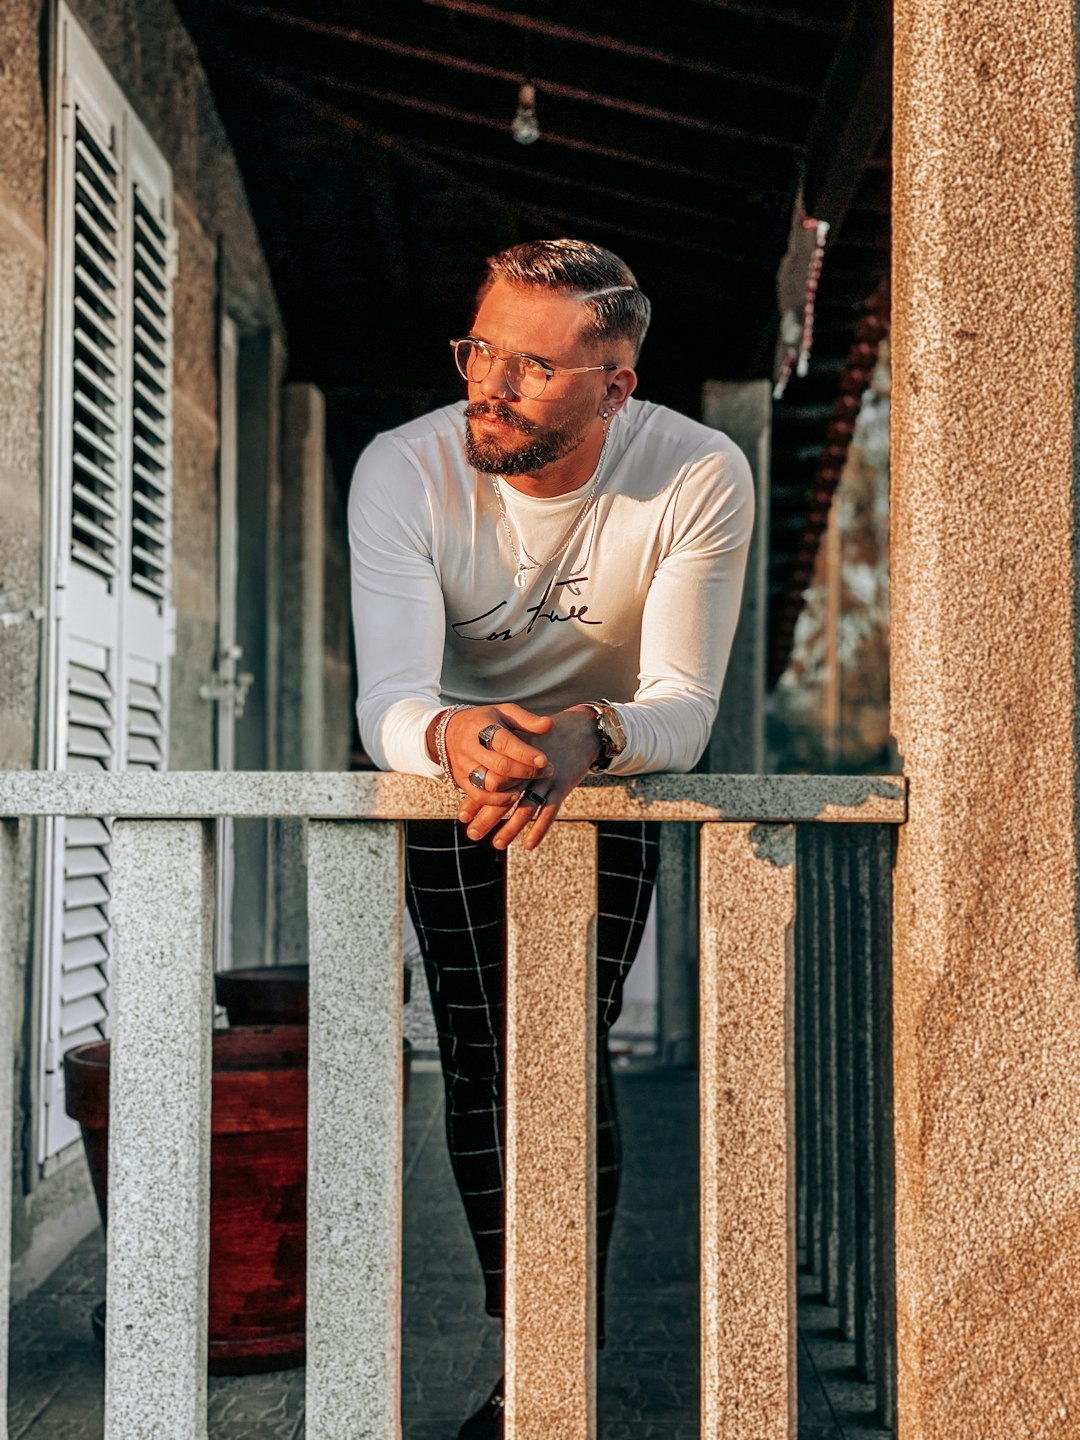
[{"x": 490, "y": 455}]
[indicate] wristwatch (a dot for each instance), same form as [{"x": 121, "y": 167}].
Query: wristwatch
[{"x": 609, "y": 732}]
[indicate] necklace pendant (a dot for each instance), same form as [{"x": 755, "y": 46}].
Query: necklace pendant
[{"x": 521, "y": 578}]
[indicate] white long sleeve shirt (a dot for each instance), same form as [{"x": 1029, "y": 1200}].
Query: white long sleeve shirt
[{"x": 640, "y": 610}]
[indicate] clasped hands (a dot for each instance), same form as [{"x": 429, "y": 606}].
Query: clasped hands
[{"x": 530, "y": 764}]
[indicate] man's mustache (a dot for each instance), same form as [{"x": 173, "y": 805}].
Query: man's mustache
[{"x": 502, "y": 412}]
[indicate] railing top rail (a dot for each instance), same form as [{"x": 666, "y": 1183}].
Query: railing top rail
[{"x": 187, "y": 794}]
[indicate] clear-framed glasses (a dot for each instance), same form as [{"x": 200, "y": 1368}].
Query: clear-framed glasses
[{"x": 525, "y": 374}]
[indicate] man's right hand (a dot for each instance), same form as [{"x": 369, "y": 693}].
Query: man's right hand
[{"x": 510, "y": 761}]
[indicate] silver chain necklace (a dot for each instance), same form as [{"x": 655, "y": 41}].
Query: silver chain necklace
[{"x": 524, "y": 561}]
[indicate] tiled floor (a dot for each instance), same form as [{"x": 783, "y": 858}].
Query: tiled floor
[{"x": 648, "y": 1373}]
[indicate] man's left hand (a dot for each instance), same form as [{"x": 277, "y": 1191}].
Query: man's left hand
[{"x": 572, "y": 747}]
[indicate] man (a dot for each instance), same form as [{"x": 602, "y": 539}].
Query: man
[{"x": 546, "y": 582}]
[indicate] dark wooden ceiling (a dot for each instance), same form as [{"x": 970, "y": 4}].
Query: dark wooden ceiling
[{"x": 375, "y": 141}]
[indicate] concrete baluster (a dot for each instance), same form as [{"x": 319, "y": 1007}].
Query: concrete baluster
[
  {"x": 550, "y": 1152},
  {"x": 838, "y": 860},
  {"x": 355, "y": 879},
  {"x": 830, "y": 1149},
  {"x": 808, "y": 1043},
  {"x": 159, "y": 1130},
  {"x": 865, "y": 1119},
  {"x": 881, "y": 843},
  {"x": 9, "y": 916},
  {"x": 747, "y": 1132}
]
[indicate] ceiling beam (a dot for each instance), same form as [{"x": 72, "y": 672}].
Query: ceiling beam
[
  {"x": 650, "y": 157},
  {"x": 561, "y": 179},
  {"x": 614, "y": 37},
  {"x": 366, "y": 38},
  {"x": 329, "y": 112}
]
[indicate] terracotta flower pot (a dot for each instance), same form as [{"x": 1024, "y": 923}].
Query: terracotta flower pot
[{"x": 258, "y": 1187}]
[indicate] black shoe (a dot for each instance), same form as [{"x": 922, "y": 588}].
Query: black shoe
[{"x": 487, "y": 1423}]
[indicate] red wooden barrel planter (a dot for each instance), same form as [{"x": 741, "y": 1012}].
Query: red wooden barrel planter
[{"x": 258, "y": 1187}]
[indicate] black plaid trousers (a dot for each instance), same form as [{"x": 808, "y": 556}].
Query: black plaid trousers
[{"x": 455, "y": 889}]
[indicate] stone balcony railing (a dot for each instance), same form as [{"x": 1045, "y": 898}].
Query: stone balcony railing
[{"x": 794, "y": 886}]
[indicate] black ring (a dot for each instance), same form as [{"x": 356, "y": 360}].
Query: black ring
[{"x": 537, "y": 800}]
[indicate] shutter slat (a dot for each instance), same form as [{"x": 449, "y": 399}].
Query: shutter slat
[
  {"x": 106, "y": 241},
  {"x": 107, "y": 303},
  {"x": 90, "y": 202},
  {"x": 148, "y": 372},
  {"x": 96, "y": 382},
  {"x": 104, "y": 177},
  {"x": 152, "y": 316},
  {"x": 96, "y": 441},
  {"x": 77, "y": 954},
  {"x": 84, "y": 711},
  {"x": 85, "y": 741},
  {"x": 98, "y": 354},
  {"x": 153, "y": 232},
  {"x": 78, "y": 984},
  {"x": 80, "y": 891},
  {"x": 92, "y": 559},
  {"x": 84, "y": 831},
  {"x": 151, "y": 268},
  {"x": 89, "y": 921},
  {"x": 152, "y": 422},
  {"x": 82, "y": 680},
  {"x": 84, "y": 765},
  {"x": 143, "y": 752},
  {"x": 154, "y": 346},
  {"x": 95, "y": 532},
  {"x": 82, "y": 860},
  {"x": 91, "y": 497},
  {"x": 144, "y": 722},
  {"x": 157, "y": 476},
  {"x": 153, "y": 563},
  {"x": 148, "y": 387},
  {"x": 81, "y": 1016},
  {"x": 152, "y": 532},
  {"x": 91, "y": 256},
  {"x": 151, "y": 587},
  {"x": 83, "y": 462},
  {"x": 144, "y": 697},
  {"x": 153, "y": 506}
]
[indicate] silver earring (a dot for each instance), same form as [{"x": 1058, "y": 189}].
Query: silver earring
[{"x": 605, "y": 414}]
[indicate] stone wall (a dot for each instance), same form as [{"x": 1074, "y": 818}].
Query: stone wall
[{"x": 151, "y": 56}]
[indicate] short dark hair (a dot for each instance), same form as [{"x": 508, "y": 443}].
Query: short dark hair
[{"x": 604, "y": 284}]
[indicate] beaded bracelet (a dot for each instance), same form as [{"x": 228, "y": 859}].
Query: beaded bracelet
[{"x": 440, "y": 740}]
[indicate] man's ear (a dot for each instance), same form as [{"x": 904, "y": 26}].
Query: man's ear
[{"x": 620, "y": 387}]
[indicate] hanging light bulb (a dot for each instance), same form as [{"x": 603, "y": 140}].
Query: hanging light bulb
[{"x": 525, "y": 126}]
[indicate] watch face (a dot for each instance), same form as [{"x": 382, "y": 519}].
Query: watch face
[{"x": 612, "y": 731}]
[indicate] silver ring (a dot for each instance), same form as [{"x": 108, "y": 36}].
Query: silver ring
[
  {"x": 487, "y": 734},
  {"x": 533, "y": 798},
  {"x": 477, "y": 777}
]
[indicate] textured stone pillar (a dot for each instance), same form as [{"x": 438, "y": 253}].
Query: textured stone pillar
[
  {"x": 355, "y": 884},
  {"x": 303, "y": 563},
  {"x": 986, "y": 995},
  {"x": 747, "y": 1132},
  {"x": 302, "y": 604},
  {"x": 550, "y": 1149},
  {"x": 9, "y": 916},
  {"x": 743, "y": 410},
  {"x": 159, "y": 1130}
]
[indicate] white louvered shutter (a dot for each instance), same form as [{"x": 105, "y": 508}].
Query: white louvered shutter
[
  {"x": 111, "y": 464},
  {"x": 147, "y": 626}
]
